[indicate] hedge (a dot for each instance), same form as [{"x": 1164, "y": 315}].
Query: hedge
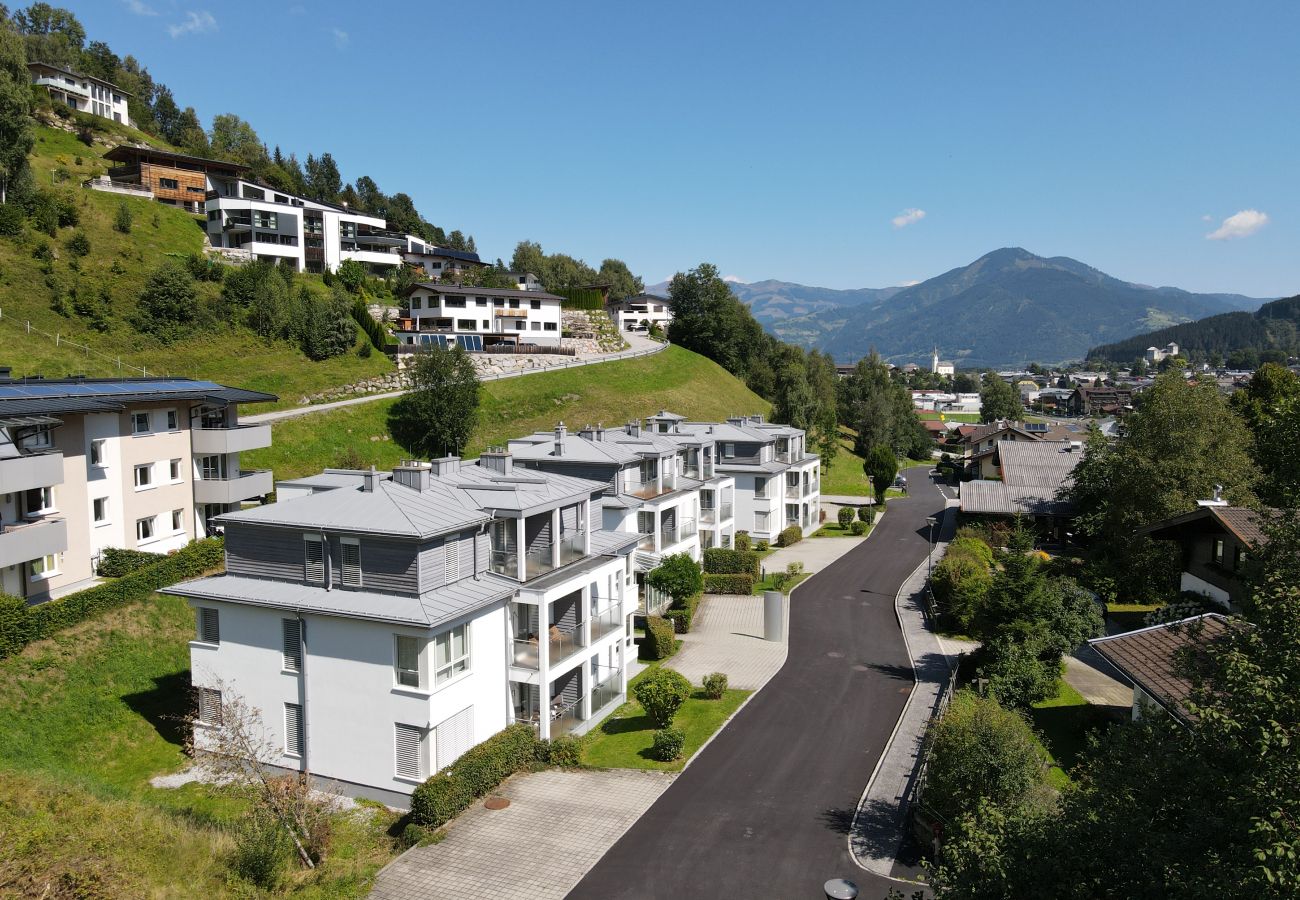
[
  {"x": 723, "y": 561},
  {"x": 114, "y": 562},
  {"x": 18, "y": 628},
  {"x": 790, "y": 535},
  {"x": 683, "y": 615},
  {"x": 729, "y": 584},
  {"x": 581, "y": 298},
  {"x": 660, "y": 640},
  {"x": 478, "y": 770},
  {"x": 379, "y": 337}
]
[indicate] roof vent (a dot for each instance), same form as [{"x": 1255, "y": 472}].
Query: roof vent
[
  {"x": 498, "y": 460},
  {"x": 370, "y": 480},
  {"x": 1218, "y": 498},
  {"x": 560, "y": 434},
  {"x": 633, "y": 429},
  {"x": 414, "y": 474}
]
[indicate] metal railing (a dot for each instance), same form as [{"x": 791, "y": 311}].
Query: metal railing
[
  {"x": 567, "y": 717},
  {"x": 607, "y": 691},
  {"x": 565, "y": 641},
  {"x": 504, "y": 562},
  {"x": 608, "y": 620}
]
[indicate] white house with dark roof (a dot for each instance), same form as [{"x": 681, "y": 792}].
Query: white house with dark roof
[
  {"x": 477, "y": 317},
  {"x": 384, "y": 623},
  {"x": 85, "y": 93}
]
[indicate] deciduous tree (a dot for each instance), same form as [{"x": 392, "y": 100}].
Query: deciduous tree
[{"x": 437, "y": 415}]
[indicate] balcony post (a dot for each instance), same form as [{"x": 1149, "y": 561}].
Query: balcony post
[
  {"x": 586, "y": 682},
  {"x": 521, "y": 562},
  {"x": 543, "y": 667},
  {"x": 586, "y": 530},
  {"x": 555, "y": 538}
]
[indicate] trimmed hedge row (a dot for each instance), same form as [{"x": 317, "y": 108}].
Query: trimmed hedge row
[
  {"x": 21, "y": 624},
  {"x": 725, "y": 561},
  {"x": 684, "y": 615},
  {"x": 114, "y": 562},
  {"x": 379, "y": 337},
  {"x": 478, "y": 770},
  {"x": 791, "y": 534},
  {"x": 581, "y": 298},
  {"x": 660, "y": 639},
  {"x": 729, "y": 584}
]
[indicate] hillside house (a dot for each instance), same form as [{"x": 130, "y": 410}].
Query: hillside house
[
  {"x": 140, "y": 463},
  {"x": 1100, "y": 401},
  {"x": 387, "y": 623},
  {"x": 84, "y": 93},
  {"x": 176, "y": 179},
  {"x": 1216, "y": 542},
  {"x": 439, "y": 314},
  {"x": 980, "y": 443},
  {"x": 640, "y": 313}
]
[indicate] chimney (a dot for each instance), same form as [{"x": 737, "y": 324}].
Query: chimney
[
  {"x": 633, "y": 428},
  {"x": 414, "y": 474},
  {"x": 756, "y": 419},
  {"x": 736, "y": 420},
  {"x": 600, "y": 431},
  {"x": 587, "y": 433},
  {"x": 560, "y": 434},
  {"x": 1218, "y": 498},
  {"x": 497, "y": 460},
  {"x": 445, "y": 465},
  {"x": 370, "y": 480}
]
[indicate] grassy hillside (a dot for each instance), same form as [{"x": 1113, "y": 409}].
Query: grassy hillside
[
  {"x": 612, "y": 393},
  {"x": 110, "y": 278}
]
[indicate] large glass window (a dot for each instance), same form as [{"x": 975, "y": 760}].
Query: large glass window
[
  {"x": 406, "y": 664},
  {"x": 451, "y": 654}
]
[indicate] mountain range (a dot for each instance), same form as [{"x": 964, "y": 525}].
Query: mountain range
[{"x": 1009, "y": 307}]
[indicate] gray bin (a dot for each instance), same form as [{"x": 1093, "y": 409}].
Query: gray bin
[{"x": 773, "y": 615}]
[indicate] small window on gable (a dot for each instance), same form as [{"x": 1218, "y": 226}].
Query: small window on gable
[
  {"x": 351, "y": 549},
  {"x": 140, "y": 423},
  {"x": 1218, "y": 550},
  {"x": 314, "y": 558}
]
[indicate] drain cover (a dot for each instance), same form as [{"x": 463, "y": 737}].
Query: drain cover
[{"x": 496, "y": 803}]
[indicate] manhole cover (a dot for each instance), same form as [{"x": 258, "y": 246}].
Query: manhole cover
[{"x": 496, "y": 803}]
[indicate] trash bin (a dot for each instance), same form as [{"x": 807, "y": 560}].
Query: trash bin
[{"x": 773, "y": 615}]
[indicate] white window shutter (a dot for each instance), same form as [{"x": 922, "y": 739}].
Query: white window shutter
[
  {"x": 455, "y": 736},
  {"x": 293, "y": 729},
  {"x": 452, "y": 550},
  {"x": 314, "y": 549},
  {"x": 407, "y": 743},
  {"x": 292, "y": 635},
  {"x": 209, "y": 625}
]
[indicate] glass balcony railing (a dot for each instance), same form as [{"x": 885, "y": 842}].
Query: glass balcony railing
[
  {"x": 603, "y": 623},
  {"x": 537, "y": 560},
  {"x": 726, "y": 513},
  {"x": 526, "y": 654},
  {"x": 708, "y": 515},
  {"x": 792, "y": 491},
  {"x": 565, "y": 641},
  {"x": 572, "y": 548},
  {"x": 565, "y": 716},
  {"x": 504, "y": 562},
  {"x": 606, "y": 692},
  {"x": 686, "y": 529}
]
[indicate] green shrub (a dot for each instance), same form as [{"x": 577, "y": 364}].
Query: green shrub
[
  {"x": 668, "y": 744},
  {"x": 414, "y": 835},
  {"x": 762, "y": 546},
  {"x": 661, "y": 692},
  {"x": 15, "y": 625},
  {"x": 729, "y": 584},
  {"x": 683, "y": 615},
  {"x": 678, "y": 576},
  {"x": 961, "y": 583},
  {"x": 722, "y": 561},
  {"x": 741, "y": 540},
  {"x": 78, "y": 244},
  {"x": 261, "y": 851},
  {"x": 44, "y": 619},
  {"x": 789, "y": 536},
  {"x": 11, "y": 220},
  {"x": 114, "y": 562},
  {"x": 659, "y": 641},
  {"x": 478, "y": 770},
  {"x": 122, "y": 219},
  {"x": 867, "y": 514},
  {"x": 969, "y": 545},
  {"x": 715, "y": 685},
  {"x": 858, "y": 528},
  {"x": 845, "y": 516},
  {"x": 565, "y": 751}
]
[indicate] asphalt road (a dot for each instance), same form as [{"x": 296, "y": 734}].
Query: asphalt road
[{"x": 764, "y": 812}]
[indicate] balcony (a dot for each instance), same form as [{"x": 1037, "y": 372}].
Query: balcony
[
  {"x": 708, "y": 515},
  {"x": 230, "y": 439},
  {"x": 504, "y": 562},
  {"x": 727, "y": 514},
  {"x": 526, "y": 654},
  {"x": 572, "y": 548},
  {"x": 234, "y": 488},
  {"x": 537, "y": 560},
  {"x": 564, "y": 642},
  {"x": 32, "y": 540},
  {"x": 792, "y": 492},
  {"x": 606, "y": 622},
  {"x": 607, "y": 691},
  {"x": 32, "y": 470},
  {"x": 511, "y": 313}
]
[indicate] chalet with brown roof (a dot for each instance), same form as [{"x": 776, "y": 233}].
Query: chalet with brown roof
[
  {"x": 1100, "y": 401},
  {"x": 981, "y": 444},
  {"x": 1216, "y": 541},
  {"x": 1158, "y": 660}
]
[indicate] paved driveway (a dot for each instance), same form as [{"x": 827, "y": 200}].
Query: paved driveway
[{"x": 765, "y": 810}]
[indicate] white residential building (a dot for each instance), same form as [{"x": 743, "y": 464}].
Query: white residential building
[
  {"x": 439, "y": 262},
  {"x": 82, "y": 92},
  {"x": 384, "y": 624},
  {"x": 475, "y": 317},
  {"x": 142, "y": 463},
  {"x": 641, "y": 312},
  {"x": 1154, "y": 355}
]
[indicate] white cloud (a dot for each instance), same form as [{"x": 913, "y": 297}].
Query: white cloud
[
  {"x": 907, "y": 217},
  {"x": 195, "y": 23},
  {"x": 340, "y": 37},
  {"x": 1207, "y": 218},
  {"x": 1239, "y": 225},
  {"x": 140, "y": 8},
  {"x": 735, "y": 278}
]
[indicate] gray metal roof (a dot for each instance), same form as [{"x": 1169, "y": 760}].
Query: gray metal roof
[
  {"x": 51, "y": 396},
  {"x": 771, "y": 467},
  {"x": 610, "y": 542},
  {"x": 331, "y": 478},
  {"x": 576, "y": 449},
  {"x": 458, "y": 291},
  {"x": 1037, "y": 463},
  {"x": 564, "y": 573},
  {"x": 1032, "y": 474},
  {"x": 440, "y": 605}
]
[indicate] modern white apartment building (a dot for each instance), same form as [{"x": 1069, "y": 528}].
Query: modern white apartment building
[
  {"x": 383, "y": 623},
  {"x": 143, "y": 463},
  {"x": 476, "y": 317},
  {"x": 82, "y": 92},
  {"x": 641, "y": 312},
  {"x": 439, "y": 262}
]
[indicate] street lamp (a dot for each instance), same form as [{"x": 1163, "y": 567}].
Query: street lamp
[{"x": 929, "y": 568}]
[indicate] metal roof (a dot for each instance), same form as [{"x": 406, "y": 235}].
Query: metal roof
[
  {"x": 1032, "y": 474},
  {"x": 457, "y": 290},
  {"x": 129, "y": 153},
  {"x": 77, "y": 395}
]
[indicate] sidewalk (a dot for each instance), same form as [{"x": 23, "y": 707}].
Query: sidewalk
[
  {"x": 880, "y": 823},
  {"x": 815, "y": 553},
  {"x": 727, "y": 637}
]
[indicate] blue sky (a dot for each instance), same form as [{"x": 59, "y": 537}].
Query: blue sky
[{"x": 797, "y": 141}]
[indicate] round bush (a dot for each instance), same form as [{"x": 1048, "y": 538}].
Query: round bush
[
  {"x": 715, "y": 685},
  {"x": 845, "y": 516},
  {"x": 668, "y": 743},
  {"x": 661, "y": 693},
  {"x": 866, "y": 514},
  {"x": 858, "y": 528},
  {"x": 565, "y": 751}
]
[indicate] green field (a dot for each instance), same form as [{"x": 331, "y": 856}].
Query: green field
[
  {"x": 231, "y": 354},
  {"x": 90, "y": 716},
  {"x": 612, "y": 393}
]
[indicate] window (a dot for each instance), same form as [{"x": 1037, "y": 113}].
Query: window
[
  {"x": 209, "y": 706},
  {"x": 44, "y": 567},
  {"x": 409, "y": 756},
  {"x": 178, "y": 520},
  {"x": 144, "y": 529},
  {"x": 351, "y": 561},
  {"x": 760, "y": 487},
  {"x": 174, "y": 470},
  {"x": 38, "y": 439},
  {"x": 466, "y": 324},
  {"x": 252, "y": 193},
  {"x": 209, "y": 625},
  {"x": 1218, "y": 551},
  {"x": 1239, "y": 559},
  {"x": 99, "y": 510},
  {"x": 451, "y": 653},
  {"x": 97, "y": 452},
  {"x": 314, "y": 556},
  {"x": 38, "y": 501},
  {"x": 169, "y": 183},
  {"x": 760, "y": 522},
  {"x": 292, "y": 729},
  {"x": 406, "y": 662},
  {"x": 291, "y": 644},
  {"x": 535, "y": 304},
  {"x": 143, "y": 476},
  {"x": 171, "y": 420},
  {"x": 140, "y": 423},
  {"x": 728, "y": 451}
]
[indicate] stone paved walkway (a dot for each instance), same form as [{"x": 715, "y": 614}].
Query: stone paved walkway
[
  {"x": 558, "y": 824},
  {"x": 727, "y": 637}
]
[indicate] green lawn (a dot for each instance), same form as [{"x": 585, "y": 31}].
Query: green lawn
[
  {"x": 89, "y": 716},
  {"x": 769, "y": 583},
  {"x": 609, "y": 393},
  {"x": 833, "y": 529},
  {"x": 964, "y": 418},
  {"x": 623, "y": 740},
  {"x": 1063, "y": 723}
]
